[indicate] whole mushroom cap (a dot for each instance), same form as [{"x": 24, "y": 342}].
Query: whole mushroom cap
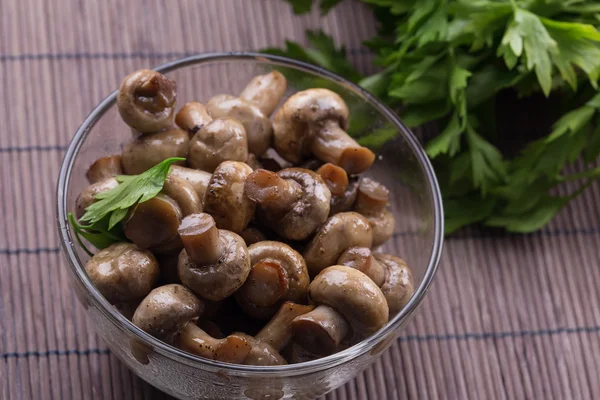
[
  {"x": 123, "y": 272},
  {"x": 399, "y": 284},
  {"x": 145, "y": 151},
  {"x": 146, "y": 100},
  {"x": 221, "y": 279},
  {"x": 339, "y": 232},
  {"x": 153, "y": 222},
  {"x": 166, "y": 310},
  {"x": 222, "y": 139},
  {"x": 258, "y": 127},
  {"x": 299, "y": 114},
  {"x": 224, "y": 198},
  {"x": 352, "y": 294}
]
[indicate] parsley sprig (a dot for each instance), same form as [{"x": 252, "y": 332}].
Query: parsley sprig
[
  {"x": 99, "y": 225},
  {"x": 447, "y": 61}
]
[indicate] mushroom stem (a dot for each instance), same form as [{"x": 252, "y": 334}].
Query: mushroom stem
[
  {"x": 271, "y": 191},
  {"x": 372, "y": 197},
  {"x": 335, "y": 178},
  {"x": 266, "y": 283},
  {"x": 197, "y": 178},
  {"x": 321, "y": 330},
  {"x": 360, "y": 258},
  {"x": 183, "y": 193},
  {"x": 201, "y": 239},
  {"x": 278, "y": 331},
  {"x": 232, "y": 349},
  {"x": 332, "y": 144}
]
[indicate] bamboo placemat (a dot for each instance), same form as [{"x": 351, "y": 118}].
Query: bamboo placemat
[{"x": 508, "y": 316}]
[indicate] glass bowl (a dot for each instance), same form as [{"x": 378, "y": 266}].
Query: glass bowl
[{"x": 401, "y": 164}]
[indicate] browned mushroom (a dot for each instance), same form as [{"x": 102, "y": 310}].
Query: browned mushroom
[
  {"x": 169, "y": 313},
  {"x": 220, "y": 140},
  {"x": 338, "y": 233},
  {"x": 346, "y": 201},
  {"x": 160, "y": 215},
  {"x": 278, "y": 273},
  {"x": 313, "y": 121},
  {"x": 294, "y": 201},
  {"x": 192, "y": 117},
  {"x": 348, "y": 301},
  {"x": 88, "y": 196},
  {"x": 252, "y": 235},
  {"x": 104, "y": 168},
  {"x": 362, "y": 259},
  {"x": 225, "y": 199},
  {"x": 265, "y": 91},
  {"x": 258, "y": 127},
  {"x": 123, "y": 272},
  {"x": 399, "y": 285},
  {"x": 274, "y": 336},
  {"x": 145, "y": 151},
  {"x": 146, "y": 101},
  {"x": 371, "y": 202},
  {"x": 388, "y": 272},
  {"x": 214, "y": 263},
  {"x": 166, "y": 311},
  {"x": 197, "y": 178},
  {"x": 335, "y": 178},
  {"x": 183, "y": 193},
  {"x": 231, "y": 349}
]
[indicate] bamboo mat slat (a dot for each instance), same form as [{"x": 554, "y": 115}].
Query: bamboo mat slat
[{"x": 508, "y": 317}]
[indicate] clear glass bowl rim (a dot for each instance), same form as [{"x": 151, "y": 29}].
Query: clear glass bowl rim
[{"x": 166, "y": 350}]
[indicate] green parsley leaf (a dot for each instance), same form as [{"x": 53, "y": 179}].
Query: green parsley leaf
[{"x": 131, "y": 190}]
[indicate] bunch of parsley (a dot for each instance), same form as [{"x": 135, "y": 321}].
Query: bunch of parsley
[{"x": 448, "y": 61}]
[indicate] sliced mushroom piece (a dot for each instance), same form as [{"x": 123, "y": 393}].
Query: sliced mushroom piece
[
  {"x": 346, "y": 201},
  {"x": 259, "y": 130},
  {"x": 88, "y": 196},
  {"x": 371, "y": 201},
  {"x": 362, "y": 259},
  {"x": 104, "y": 168},
  {"x": 353, "y": 303},
  {"x": 265, "y": 91},
  {"x": 313, "y": 122},
  {"x": 214, "y": 263},
  {"x": 252, "y": 235},
  {"x": 192, "y": 117},
  {"x": 166, "y": 311},
  {"x": 154, "y": 222},
  {"x": 123, "y": 272},
  {"x": 335, "y": 178},
  {"x": 183, "y": 193},
  {"x": 278, "y": 273},
  {"x": 197, "y": 178},
  {"x": 399, "y": 285},
  {"x": 146, "y": 101},
  {"x": 225, "y": 199},
  {"x": 294, "y": 201},
  {"x": 338, "y": 233},
  {"x": 145, "y": 151},
  {"x": 220, "y": 140}
]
